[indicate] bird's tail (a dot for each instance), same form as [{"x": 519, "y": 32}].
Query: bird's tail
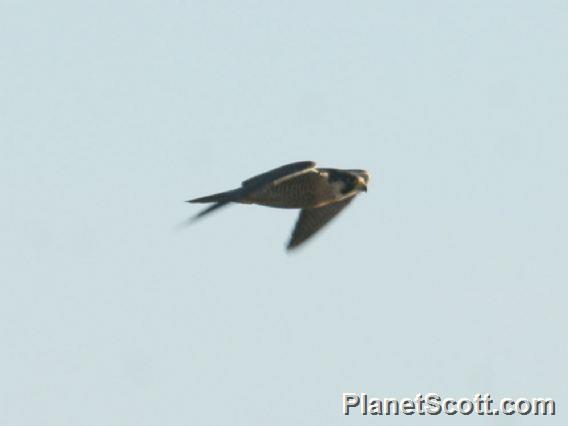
[{"x": 220, "y": 199}]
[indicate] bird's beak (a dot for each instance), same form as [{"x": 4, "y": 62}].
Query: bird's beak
[{"x": 362, "y": 183}]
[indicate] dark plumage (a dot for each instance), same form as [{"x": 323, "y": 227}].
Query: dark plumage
[{"x": 320, "y": 193}]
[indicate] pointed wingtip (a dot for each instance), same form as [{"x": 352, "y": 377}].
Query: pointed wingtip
[
  {"x": 191, "y": 220},
  {"x": 184, "y": 224},
  {"x": 291, "y": 246}
]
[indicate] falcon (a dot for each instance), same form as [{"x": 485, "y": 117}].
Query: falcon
[{"x": 320, "y": 193}]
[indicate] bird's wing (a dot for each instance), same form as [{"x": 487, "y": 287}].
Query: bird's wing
[
  {"x": 311, "y": 221},
  {"x": 279, "y": 173}
]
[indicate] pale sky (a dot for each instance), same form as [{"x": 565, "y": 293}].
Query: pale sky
[{"x": 448, "y": 276}]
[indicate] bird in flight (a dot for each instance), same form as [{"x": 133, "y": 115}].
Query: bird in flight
[{"x": 320, "y": 194}]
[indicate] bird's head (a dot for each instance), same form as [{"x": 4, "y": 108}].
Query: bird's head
[
  {"x": 361, "y": 179},
  {"x": 348, "y": 181}
]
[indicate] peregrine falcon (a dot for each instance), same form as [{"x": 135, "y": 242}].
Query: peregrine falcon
[{"x": 320, "y": 194}]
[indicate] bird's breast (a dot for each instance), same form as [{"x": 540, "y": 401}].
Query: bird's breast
[{"x": 305, "y": 191}]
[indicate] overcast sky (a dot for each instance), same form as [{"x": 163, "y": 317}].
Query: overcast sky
[{"x": 448, "y": 276}]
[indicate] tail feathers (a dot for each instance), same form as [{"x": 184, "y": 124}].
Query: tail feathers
[
  {"x": 208, "y": 210},
  {"x": 226, "y": 196},
  {"x": 221, "y": 199}
]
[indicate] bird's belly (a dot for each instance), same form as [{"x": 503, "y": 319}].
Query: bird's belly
[
  {"x": 286, "y": 197},
  {"x": 297, "y": 202}
]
